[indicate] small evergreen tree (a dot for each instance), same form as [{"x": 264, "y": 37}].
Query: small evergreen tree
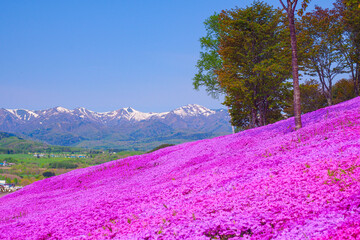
[{"x": 48, "y": 174}]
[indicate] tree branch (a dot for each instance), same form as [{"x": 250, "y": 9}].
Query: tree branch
[
  {"x": 284, "y": 6},
  {"x": 294, "y": 7}
]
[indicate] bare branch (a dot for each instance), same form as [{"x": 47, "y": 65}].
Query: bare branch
[
  {"x": 294, "y": 7},
  {"x": 284, "y": 6}
]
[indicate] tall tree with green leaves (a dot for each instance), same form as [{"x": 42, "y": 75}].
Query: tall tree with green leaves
[
  {"x": 210, "y": 60},
  {"x": 255, "y": 63},
  {"x": 290, "y": 8},
  {"x": 321, "y": 30},
  {"x": 349, "y": 12}
]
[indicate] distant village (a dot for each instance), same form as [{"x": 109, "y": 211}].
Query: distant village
[
  {"x": 6, "y": 164},
  {"x": 8, "y": 187}
]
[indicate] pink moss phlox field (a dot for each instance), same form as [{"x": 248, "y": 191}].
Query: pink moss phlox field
[{"x": 266, "y": 183}]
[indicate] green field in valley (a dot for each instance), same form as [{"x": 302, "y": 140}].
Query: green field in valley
[
  {"x": 23, "y": 162},
  {"x": 24, "y": 169}
]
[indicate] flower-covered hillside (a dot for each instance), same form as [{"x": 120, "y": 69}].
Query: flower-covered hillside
[{"x": 269, "y": 182}]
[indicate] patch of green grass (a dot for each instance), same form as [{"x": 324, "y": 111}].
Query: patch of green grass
[{"x": 29, "y": 167}]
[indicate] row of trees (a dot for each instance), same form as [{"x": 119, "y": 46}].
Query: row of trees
[
  {"x": 63, "y": 164},
  {"x": 248, "y": 56}
]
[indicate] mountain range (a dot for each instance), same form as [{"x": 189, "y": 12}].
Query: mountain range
[{"x": 122, "y": 129}]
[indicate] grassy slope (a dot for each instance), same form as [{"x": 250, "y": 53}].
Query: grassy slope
[
  {"x": 10, "y": 143},
  {"x": 15, "y": 144},
  {"x": 269, "y": 182}
]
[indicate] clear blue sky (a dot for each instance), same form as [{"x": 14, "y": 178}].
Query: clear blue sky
[{"x": 103, "y": 54}]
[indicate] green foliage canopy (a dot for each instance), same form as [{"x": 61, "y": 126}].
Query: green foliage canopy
[
  {"x": 256, "y": 63},
  {"x": 320, "y": 32},
  {"x": 210, "y": 60},
  {"x": 349, "y": 14},
  {"x": 343, "y": 90}
]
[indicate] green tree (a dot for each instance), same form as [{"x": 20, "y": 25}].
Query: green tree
[
  {"x": 343, "y": 90},
  {"x": 255, "y": 63},
  {"x": 321, "y": 31},
  {"x": 48, "y": 174},
  {"x": 312, "y": 98},
  {"x": 8, "y": 180},
  {"x": 349, "y": 12},
  {"x": 210, "y": 60},
  {"x": 15, "y": 181}
]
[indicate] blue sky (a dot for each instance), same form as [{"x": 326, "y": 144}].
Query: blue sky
[{"x": 104, "y": 55}]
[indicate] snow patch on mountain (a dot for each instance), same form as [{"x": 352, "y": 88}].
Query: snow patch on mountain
[
  {"x": 23, "y": 114},
  {"x": 193, "y": 110},
  {"x": 63, "y": 110}
]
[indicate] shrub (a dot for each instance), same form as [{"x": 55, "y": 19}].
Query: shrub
[
  {"x": 48, "y": 174},
  {"x": 160, "y": 147}
]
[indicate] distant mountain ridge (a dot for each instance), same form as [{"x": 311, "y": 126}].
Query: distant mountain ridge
[{"x": 125, "y": 128}]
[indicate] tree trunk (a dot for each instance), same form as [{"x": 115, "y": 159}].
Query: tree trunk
[
  {"x": 354, "y": 79},
  {"x": 329, "y": 99},
  {"x": 253, "y": 118},
  {"x": 356, "y": 86},
  {"x": 330, "y": 94},
  {"x": 357, "y": 75},
  {"x": 295, "y": 71},
  {"x": 232, "y": 126},
  {"x": 263, "y": 111}
]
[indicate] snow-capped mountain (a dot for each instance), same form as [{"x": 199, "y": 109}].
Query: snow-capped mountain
[{"x": 125, "y": 128}]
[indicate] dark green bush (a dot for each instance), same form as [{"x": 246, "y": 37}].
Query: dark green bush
[
  {"x": 48, "y": 174},
  {"x": 160, "y": 147}
]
